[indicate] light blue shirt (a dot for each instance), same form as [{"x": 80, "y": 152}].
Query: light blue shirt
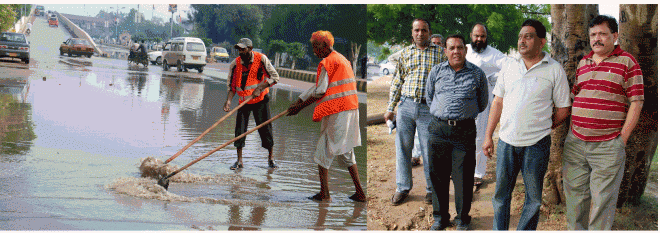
[{"x": 453, "y": 95}]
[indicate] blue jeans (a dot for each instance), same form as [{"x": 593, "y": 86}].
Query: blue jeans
[
  {"x": 411, "y": 117},
  {"x": 533, "y": 161}
]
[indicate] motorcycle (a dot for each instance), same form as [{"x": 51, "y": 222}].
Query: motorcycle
[{"x": 139, "y": 59}]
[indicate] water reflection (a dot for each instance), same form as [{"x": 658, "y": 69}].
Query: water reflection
[
  {"x": 91, "y": 128},
  {"x": 16, "y": 128}
]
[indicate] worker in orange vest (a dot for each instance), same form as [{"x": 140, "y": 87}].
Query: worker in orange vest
[
  {"x": 337, "y": 109},
  {"x": 251, "y": 73}
]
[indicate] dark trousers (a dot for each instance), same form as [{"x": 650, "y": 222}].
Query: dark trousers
[
  {"x": 452, "y": 152},
  {"x": 261, "y": 113}
]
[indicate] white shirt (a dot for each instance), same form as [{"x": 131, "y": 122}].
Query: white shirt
[
  {"x": 528, "y": 98},
  {"x": 489, "y": 60},
  {"x": 340, "y": 130}
]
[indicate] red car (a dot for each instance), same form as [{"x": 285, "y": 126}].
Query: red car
[
  {"x": 52, "y": 20},
  {"x": 76, "y": 46}
]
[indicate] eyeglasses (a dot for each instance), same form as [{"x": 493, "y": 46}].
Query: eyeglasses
[{"x": 527, "y": 36}]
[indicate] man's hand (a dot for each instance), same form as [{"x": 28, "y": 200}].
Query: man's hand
[
  {"x": 295, "y": 107},
  {"x": 389, "y": 116},
  {"x": 487, "y": 147},
  {"x": 261, "y": 87},
  {"x": 228, "y": 106}
]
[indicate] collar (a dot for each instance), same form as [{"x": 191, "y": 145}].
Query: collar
[
  {"x": 616, "y": 52},
  {"x": 431, "y": 45},
  {"x": 545, "y": 59},
  {"x": 467, "y": 66}
]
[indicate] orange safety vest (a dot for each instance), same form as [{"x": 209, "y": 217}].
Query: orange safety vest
[
  {"x": 342, "y": 89},
  {"x": 252, "y": 80}
]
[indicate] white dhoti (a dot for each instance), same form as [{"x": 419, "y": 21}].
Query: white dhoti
[{"x": 340, "y": 132}]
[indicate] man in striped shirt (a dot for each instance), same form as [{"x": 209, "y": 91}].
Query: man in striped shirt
[
  {"x": 608, "y": 98},
  {"x": 408, "y": 86}
]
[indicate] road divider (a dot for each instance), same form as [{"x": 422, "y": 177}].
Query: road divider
[{"x": 309, "y": 76}]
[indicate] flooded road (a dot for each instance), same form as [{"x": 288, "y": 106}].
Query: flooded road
[{"x": 74, "y": 131}]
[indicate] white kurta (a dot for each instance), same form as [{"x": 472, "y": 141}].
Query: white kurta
[
  {"x": 340, "y": 132},
  {"x": 490, "y": 60}
]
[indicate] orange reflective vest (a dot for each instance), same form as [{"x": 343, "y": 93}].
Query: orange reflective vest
[
  {"x": 252, "y": 80},
  {"x": 342, "y": 89}
]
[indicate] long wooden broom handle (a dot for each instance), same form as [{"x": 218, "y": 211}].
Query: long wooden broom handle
[
  {"x": 227, "y": 143},
  {"x": 208, "y": 130}
]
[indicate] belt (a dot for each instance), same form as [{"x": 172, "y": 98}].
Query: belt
[
  {"x": 421, "y": 101},
  {"x": 456, "y": 122}
]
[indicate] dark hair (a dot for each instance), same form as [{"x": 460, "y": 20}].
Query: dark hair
[
  {"x": 423, "y": 20},
  {"x": 457, "y": 36},
  {"x": 537, "y": 25},
  {"x": 437, "y": 36},
  {"x": 611, "y": 22},
  {"x": 483, "y": 25}
]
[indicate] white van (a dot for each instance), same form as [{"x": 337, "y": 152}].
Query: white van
[{"x": 184, "y": 53}]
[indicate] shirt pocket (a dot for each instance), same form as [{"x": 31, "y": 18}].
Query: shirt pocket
[{"x": 532, "y": 88}]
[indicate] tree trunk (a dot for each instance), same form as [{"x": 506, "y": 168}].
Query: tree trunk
[
  {"x": 355, "y": 52},
  {"x": 570, "y": 42},
  {"x": 638, "y": 35},
  {"x": 277, "y": 59}
]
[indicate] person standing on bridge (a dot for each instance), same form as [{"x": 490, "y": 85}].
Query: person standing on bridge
[
  {"x": 250, "y": 74},
  {"x": 337, "y": 110}
]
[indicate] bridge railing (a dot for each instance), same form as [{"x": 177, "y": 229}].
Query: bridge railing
[{"x": 79, "y": 32}]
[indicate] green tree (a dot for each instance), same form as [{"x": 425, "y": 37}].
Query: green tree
[
  {"x": 277, "y": 47},
  {"x": 7, "y": 17},
  {"x": 296, "y": 23},
  {"x": 296, "y": 50},
  {"x": 393, "y": 23}
]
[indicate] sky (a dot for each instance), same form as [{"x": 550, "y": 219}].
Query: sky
[{"x": 161, "y": 10}]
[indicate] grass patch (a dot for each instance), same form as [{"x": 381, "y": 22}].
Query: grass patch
[
  {"x": 638, "y": 217},
  {"x": 654, "y": 168}
]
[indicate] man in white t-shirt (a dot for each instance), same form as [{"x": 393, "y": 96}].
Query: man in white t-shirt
[
  {"x": 490, "y": 61},
  {"x": 527, "y": 90}
]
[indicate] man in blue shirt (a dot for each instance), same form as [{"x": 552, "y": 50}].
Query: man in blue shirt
[{"x": 456, "y": 91}]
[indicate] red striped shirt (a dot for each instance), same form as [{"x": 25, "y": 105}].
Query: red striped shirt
[{"x": 603, "y": 93}]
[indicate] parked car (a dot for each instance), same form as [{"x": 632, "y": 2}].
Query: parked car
[
  {"x": 184, "y": 53},
  {"x": 220, "y": 54},
  {"x": 156, "y": 57},
  {"x": 52, "y": 21},
  {"x": 39, "y": 10},
  {"x": 386, "y": 67},
  {"x": 76, "y": 46},
  {"x": 15, "y": 45}
]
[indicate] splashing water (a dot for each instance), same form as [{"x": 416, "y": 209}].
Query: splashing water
[{"x": 152, "y": 169}]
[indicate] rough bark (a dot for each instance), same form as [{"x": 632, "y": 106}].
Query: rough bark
[
  {"x": 638, "y": 35},
  {"x": 570, "y": 42},
  {"x": 355, "y": 52}
]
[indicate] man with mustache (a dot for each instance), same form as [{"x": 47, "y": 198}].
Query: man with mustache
[
  {"x": 607, "y": 100},
  {"x": 408, "y": 86},
  {"x": 250, "y": 74},
  {"x": 456, "y": 92},
  {"x": 527, "y": 89},
  {"x": 490, "y": 61}
]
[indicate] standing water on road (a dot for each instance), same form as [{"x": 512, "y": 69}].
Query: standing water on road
[
  {"x": 72, "y": 147},
  {"x": 74, "y": 132}
]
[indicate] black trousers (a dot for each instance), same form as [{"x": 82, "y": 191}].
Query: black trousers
[
  {"x": 261, "y": 113},
  {"x": 452, "y": 152}
]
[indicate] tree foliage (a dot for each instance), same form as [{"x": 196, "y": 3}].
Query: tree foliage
[
  {"x": 296, "y": 50},
  {"x": 7, "y": 16},
  {"x": 393, "y": 23},
  {"x": 288, "y": 23}
]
